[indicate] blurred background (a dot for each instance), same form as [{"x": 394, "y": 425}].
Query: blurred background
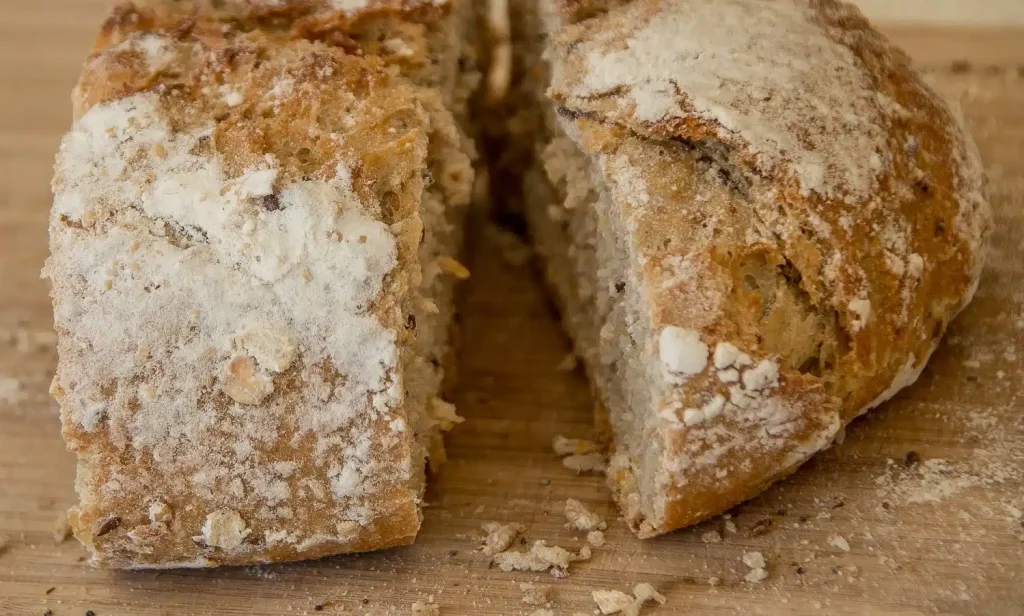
[{"x": 949, "y": 12}]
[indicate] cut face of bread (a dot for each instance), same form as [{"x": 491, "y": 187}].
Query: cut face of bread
[
  {"x": 249, "y": 238},
  {"x": 757, "y": 219}
]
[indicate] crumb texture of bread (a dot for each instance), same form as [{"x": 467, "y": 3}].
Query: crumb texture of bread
[
  {"x": 238, "y": 240},
  {"x": 757, "y": 219}
]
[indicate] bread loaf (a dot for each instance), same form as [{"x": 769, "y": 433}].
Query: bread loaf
[
  {"x": 757, "y": 219},
  {"x": 255, "y": 222}
]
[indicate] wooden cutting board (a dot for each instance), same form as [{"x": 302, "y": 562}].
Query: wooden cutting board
[{"x": 926, "y": 492}]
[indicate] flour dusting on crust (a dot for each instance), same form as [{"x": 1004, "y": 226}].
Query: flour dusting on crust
[
  {"x": 241, "y": 275},
  {"x": 230, "y": 317},
  {"x": 764, "y": 71},
  {"x": 781, "y": 187}
]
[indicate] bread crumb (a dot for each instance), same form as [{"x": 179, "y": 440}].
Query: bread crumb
[
  {"x": 224, "y": 529},
  {"x": 428, "y": 306},
  {"x": 10, "y": 390},
  {"x": 61, "y": 530},
  {"x": 443, "y": 414},
  {"x": 730, "y": 526},
  {"x": 714, "y": 581},
  {"x": 646, "y": 593},
  {"x": 582, "y": 519},
  {"x": 596, "y": 538},
  {"x": 499, "y": 536},
  {"x": 840, "y": 542},
  {"x": 541, "y": 557},
  {"x": 425, "y": 609},
  {"x": 618, "y": 602},
  {"x": 756, "y": 576},
  {"x": 535, "y": 594},
  {"x": 754, "y": 560},
  {"x": 452, "y": 267},
  {"x": 573, "y": 446},
  {"x": 585, "y": 463},
  {"x": 612, "y": 601},
  {"x": 712, "y": 536}
]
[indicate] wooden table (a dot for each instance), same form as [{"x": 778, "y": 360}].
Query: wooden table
[{"x": 927, "y": 491}]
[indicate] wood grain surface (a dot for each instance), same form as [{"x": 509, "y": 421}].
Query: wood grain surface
[{"x": 926, "y": 491}]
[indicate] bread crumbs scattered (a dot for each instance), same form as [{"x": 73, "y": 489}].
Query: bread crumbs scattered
[
  {"x": 499, "y": 536},
  {"x": 425, "y": 609},
  {"x": 612, "y": 601},
  {"x": 618, "y": 602},
  {"x": 754, "y": 560},
  {"x": 840, "y": 542},
  {"x": 936, "y": 480},
  {"x": 535, "y": 594},
  {"x": 443, "y": 414},
  {"x": 61, "y": 529},
  {"x": 712, "y": 536},
  {"x": 541, "y": 557},
  {"x": 585, "y": 463},
  {"x": 730, "y": 526},
  {"x": 756, "y": 576},
  {"x": 10, "y": 390},
  {"x": 596, "y": 538},
  {"x": 646, "y": 593},
  {"x": 452, "y": 267},
  {"x": 573, "y": 446},
  {"x": 582, "y": 519}
]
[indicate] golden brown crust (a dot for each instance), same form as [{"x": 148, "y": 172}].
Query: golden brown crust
[
  {"x": 787, "y": 282},
  {"x": 845, "y": 274},
  {"x": 215, "y": 487},
  {"x": 290, "y": 18},
  {"x": 403, "y": 33}
]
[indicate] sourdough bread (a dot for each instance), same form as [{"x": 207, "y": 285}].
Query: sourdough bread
[
  {"x": 252, "y": 216},
  {"x": 758, "y": 220}
]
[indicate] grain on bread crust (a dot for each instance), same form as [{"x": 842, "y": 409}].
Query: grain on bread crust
[
  {"x": 796, "y": 217},
  {"x": 239, "y": 235}
]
